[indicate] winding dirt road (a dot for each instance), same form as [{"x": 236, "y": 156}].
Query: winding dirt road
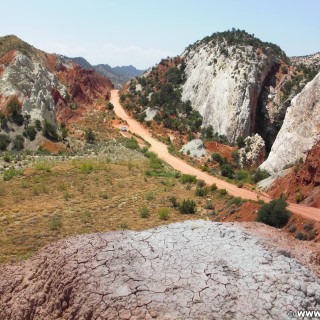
[{"x": 162, "y": 151}]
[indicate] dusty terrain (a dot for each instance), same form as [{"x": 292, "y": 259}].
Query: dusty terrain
[
  {"x": 178, "y": 164},
  {"x": 193, "y": 270}
]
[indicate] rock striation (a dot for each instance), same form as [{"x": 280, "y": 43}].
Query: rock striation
[
  {"x": 190, "y": 270},
  {"x": 300, "y": 130}
]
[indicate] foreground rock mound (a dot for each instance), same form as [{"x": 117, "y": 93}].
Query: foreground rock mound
[{"x": 191, "y": 270}]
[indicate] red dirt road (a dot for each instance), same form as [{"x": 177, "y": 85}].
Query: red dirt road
[{"x": 162, "y": 151}]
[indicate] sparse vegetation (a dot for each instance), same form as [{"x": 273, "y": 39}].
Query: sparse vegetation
[
  {"x": 163, "y": 214},
  {"x": 187, "y": 178},
  {"x": 187, "y": 206}
]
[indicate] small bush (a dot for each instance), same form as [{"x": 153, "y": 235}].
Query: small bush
[
  {"x": 90, "y": 136},
  {"x": 308, "y": 226},
  {"x": 50, "y": 131},
  {"x": 227, "y": 170},
  {"x": 301, "y": 236},
  {"x": 163, "y": 213},
  {"x": 217, "y": 157},
  {"x": 213, "y": 187},
  {"x": 18, "y": 142},
  {"x": 188, "y": 207},
  {"x": 110, "y": 106},
  {"x": 43, "y": 166},
  {"x": 55, "y": 222},
  {"x": 260, "y": 175},
  {"x": 7, "y": 158},
  {"x": 187, "y": 178},
  {"x": 124, "y": 226},
  {"x": 222, "y": 192},
  {"x": 149, "y": 195},
  {"x": 30, "y": 132},
  {"x": 86, "y": 167},
  {"x": 201, "y": 183},
  {"x": 274, "y": 214},
  {"x": 201, "y": 192},
  {"x": 11, "y": 173},
  {"x": 292, "y": 229},
  {"x": 103, "y": 195},
  {"x": 38, "y": 125},
  {"x": 132, "y": 143},
  {"x": 144, "y": 212},
  {"x": 174, "y": 202},
  {"x": 299, "y": 197},
  {"x": 4, "y": 142}
]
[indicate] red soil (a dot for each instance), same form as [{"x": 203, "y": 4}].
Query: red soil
[{"x": 224, "y": 150}]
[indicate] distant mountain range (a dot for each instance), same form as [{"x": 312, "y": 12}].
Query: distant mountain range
[{"x": 118, "y": 75}]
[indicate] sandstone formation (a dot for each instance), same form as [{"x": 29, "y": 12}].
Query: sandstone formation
[
  {"x": 300, "y": 130},
  {"x": 224, "y": 86},
  {"x": 47, "y": 85},
  {"x": 194, "y": 149},
  {"x": 33, "y": 84},
  {"x": 190, "y": 270}
]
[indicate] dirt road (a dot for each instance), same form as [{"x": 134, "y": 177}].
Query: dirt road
[{"x": 162, "y": 151}]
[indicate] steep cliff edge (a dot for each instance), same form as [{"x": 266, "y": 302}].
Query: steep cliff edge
[{"x": 300, "y": 130}]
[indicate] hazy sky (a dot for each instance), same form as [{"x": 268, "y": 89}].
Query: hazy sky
[{"x": 141, "y": 32}]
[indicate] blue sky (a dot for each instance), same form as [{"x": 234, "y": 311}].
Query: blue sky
[{"x": 141, "y": 32}]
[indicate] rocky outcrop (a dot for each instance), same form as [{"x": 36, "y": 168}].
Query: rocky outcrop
[
  {"x": 191, "y": 270},
  {"x": 254, "y": 151},
  {"x": 194, "y": 149},
  {"x": 300, "y": 130},
  {"x": 47, "y": 85},
  {"x": 223, "y": 83},
  {"x": 33, "y": 84}
]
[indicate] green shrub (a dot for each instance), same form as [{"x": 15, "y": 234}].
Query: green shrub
[
  {"x": 144, "y": 212},
  {"x": 217, "y": 157},
  {"x": 292, "y": 229},
  {"x": 14, "y": 110},
  {"x": 201, "y": 183},
  {"x": 222, "y": 192},
  {"x": 149, "y": 195},
  {"x": 274, "y": 214},
  {"x": 187, "y": 207},
  {"x": 18, "y": 142},
  {"x": 3, "y": 120},
  {"x": 260, "y": 175},
  {"x": 4, "y": 142},
  {"x": 11, "y": 173},
  {"x": 103, "y": 195},
  {"x": 213, "y": 187},
  {"x": 163, "y": 213},
  {"x": 38, "y": 125},
  {"x": 132, "y": 143},
  {"x": 30, "y": 132},
  {"x": 227, "y": 170},
  {"x": 187, "y": 178},
  {"x": 299, "y": 197},
  {"x": 43, "y": 166},
  {"x": 110, "y": 106},
  {"x": 301, "y": 236},
  {"x": 201, "y": 192},
  {"x": 55, "y": 222},
  {"x": 50, "y": 131},
  {"x": 86, "y": 167},
  {"x": 7, "y": 157},
  {"x": 308, "y": 226},
  {"x": 90, "y": 136},
  {"x": 174, "y": 202}
]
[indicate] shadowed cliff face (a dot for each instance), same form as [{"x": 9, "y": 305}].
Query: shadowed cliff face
[{"x": 188, "y": 270}]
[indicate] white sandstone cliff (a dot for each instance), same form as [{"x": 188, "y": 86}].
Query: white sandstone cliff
[
  {"x": 223, "y": 83},
  {"x": 300, "y": 129},
  {"x": 32, "y": 83}
]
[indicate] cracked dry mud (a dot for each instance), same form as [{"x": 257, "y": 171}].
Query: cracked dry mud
[{"x": 190, "y": 270}]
